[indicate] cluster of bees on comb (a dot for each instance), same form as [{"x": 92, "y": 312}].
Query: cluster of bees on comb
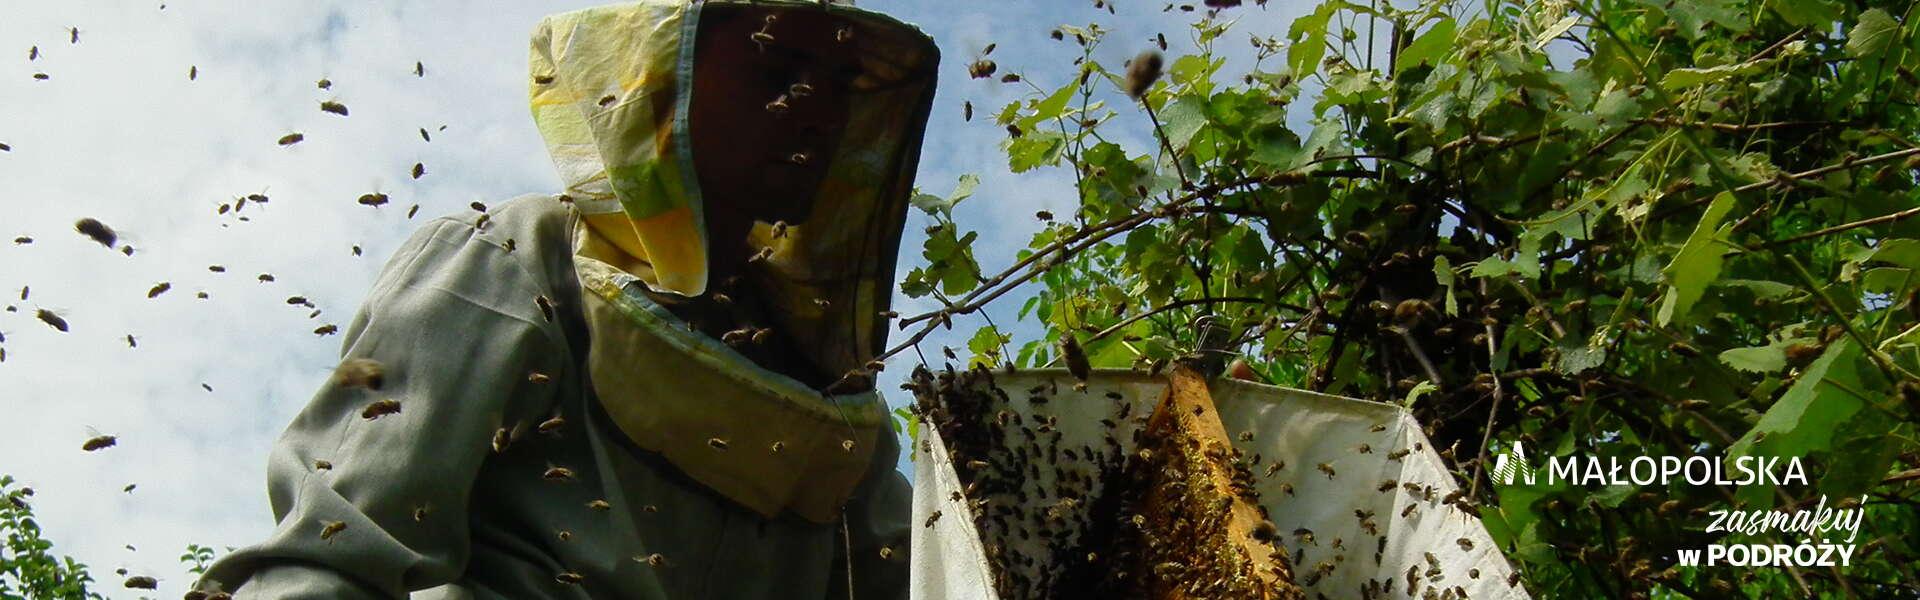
[
  {"x": 1090, "y": 493},
  {"x": 1133, "y": 516}
]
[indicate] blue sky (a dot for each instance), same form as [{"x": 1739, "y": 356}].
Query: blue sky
[{"x": 118, "y": 132}]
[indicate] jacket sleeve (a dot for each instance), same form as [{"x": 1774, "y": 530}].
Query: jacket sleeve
[
  {"x": 374, "y": 506},
  {"x": 877, "y": 518}
]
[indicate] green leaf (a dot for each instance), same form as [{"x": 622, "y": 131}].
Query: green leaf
[
  {"x": 1554, "y": 31},
  {"x": 1428, "y": 47},
  {"x": 1183, "y": 118},
  {"x": 1034, "y": 149},
  {"x": 1759, "y": 287},
  {"x": 1443, "y": 274},
  {"x": 1760, "y": 359},
  {"x": 1697, "y": 264},
  {"x": 935, "y": 205},
  {"x": 1903, "y": 252},
  {"x": 1052, "y": 107},
  {"x": 985, "y": 346},
  {"x": 964, "y": 189},
  {"x": 1819, "y": 14},
  {"x": 1680, "y": 79},
  {"x": 1863, "y": 451},
  {"x": 1803, "y": 421},
  {"x": 1873, "y": 34},
  {"x": 1306, "y": 41}
]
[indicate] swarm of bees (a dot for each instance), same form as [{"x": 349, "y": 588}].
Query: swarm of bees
[
  {"x": 1058, "y": 495},
  {"x": 1058, "y": 515}
]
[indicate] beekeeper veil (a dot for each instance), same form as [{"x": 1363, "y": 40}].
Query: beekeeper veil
[{"x": 791, "y": 129}]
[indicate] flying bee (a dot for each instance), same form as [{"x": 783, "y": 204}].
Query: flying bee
[
  {"x": 1365, "y": 448},
  {"x": 129, "y": 488},
  {"x": 52, "y": 320},
  {"x": 1075, "y": 357},
  {"x": 97, "y": 231},
  {"x": 330, "y": 106},
  {"x": 564, "y": 535},
  {"x": 717, "y": 443},
  {"x": 216, "y": 268},
  {"x": 966, "y": 111},
  {"x": 600, "y": 505},
  {"x": 886, "y": 552},
  {"x": 419, "y": 70},
  {"x": 738, "y": 337},
  {"x": 932, "y": 518},
  {"x": 501, "y": 439},
  {"x": 23, "y": 240},
  {"x": 99, "y": 442},
  {"x": 538, "y": 377},
  {"x": 420, "y": 514},
  {"x": 424, "y": 136},
  {"x": 373, "y": 199},
  {"x": 558, "y": 474},
  {"x": 291, "y": 139},
  {"x": 324, "y": 83},
  {"x": 847, "y": 445},
  {"x": 265, "y": 278},
  {"x": 298, "y": 301},
  {"x": 982, "y": 69},
  {"x": 356, "y": 249},
  {"x": 380, "y": 408},
  {"x": 418, "y": 170},
  {"x": 1465, "y": 544},
  {"x": 328, "y": 529},
  {"x": 158, "y": 289},
  {"x": 1398, "y": 454},
  {"x": 653, "y": 560},
  {"x": 778, "y": 446},
  {"x": 553, "y": 425},
  {"x": 360, "y": 372},
  {"x": 569, "y": 578},
  {"x": 328, "y": 329},
  {"x": 1326, "y": 468},
  {"x": 131, "y": 343},
  {"x": 322, "y": 465},
  {"x": 193, "y": 72},
  {"x": 142, "y": 582}
]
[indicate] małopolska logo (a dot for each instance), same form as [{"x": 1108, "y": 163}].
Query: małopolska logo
[
  {"x": 1821, "y": 527},
  {"x": 1512, "y": 464}
]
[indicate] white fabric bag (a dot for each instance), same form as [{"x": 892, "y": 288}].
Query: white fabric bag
[{"x": 1366, "y": 445}]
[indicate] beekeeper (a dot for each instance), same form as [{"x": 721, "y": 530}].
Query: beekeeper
[{"x": 654, "y": 385}]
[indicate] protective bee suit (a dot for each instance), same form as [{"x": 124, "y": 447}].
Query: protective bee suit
[{"x": 564, "y": 429}]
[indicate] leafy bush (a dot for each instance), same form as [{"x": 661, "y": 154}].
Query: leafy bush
[
  {"x": 1608, "y": 227},
  {"x": 28, "y": 568}
]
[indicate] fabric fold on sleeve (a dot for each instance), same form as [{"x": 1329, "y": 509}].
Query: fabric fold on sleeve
[{"x": 371, "y": 499}]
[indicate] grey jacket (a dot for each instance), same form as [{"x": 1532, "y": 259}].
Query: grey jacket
[{"x": 420, "y": 499}]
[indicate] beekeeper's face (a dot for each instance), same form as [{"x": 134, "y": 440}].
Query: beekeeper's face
[{"x": 768, "y": 108}]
